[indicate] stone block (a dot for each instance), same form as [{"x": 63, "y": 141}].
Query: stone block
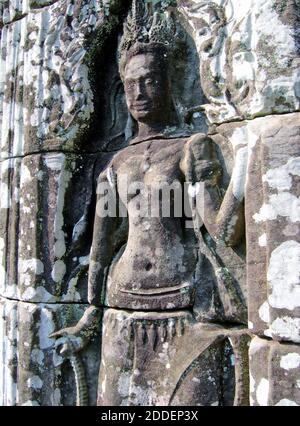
[
  {"x": 46, "y": 207},
  {"x": 32, "y": 372},
  {"x": 253, "y": 68},
  {"x": 270, "y": 146},
  {"x": 274, "y": 373},
  {"x": 144, "y": 361},
  {"x": 46, "y": 98}
]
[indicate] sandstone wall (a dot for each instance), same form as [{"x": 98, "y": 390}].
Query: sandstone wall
[{"x": 62, "y": 116}]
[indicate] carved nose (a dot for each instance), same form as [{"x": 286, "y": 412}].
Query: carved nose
[{"x": 139, "y": 91}]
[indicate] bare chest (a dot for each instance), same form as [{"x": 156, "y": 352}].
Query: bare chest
[{"x": 150, "y": 163}]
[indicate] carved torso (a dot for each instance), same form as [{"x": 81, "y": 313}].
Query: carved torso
[{"x": 155, "y": 269}]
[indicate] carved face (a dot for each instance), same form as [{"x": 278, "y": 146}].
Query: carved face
[{"x": 146, "y": 88}]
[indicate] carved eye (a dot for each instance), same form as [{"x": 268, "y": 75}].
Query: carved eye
[
  {"x": 203, "y": 31},
  {"x": 214, "y": 19},
  {"x": 129, "y": 85},
  {"x": 149, "y": 81}
]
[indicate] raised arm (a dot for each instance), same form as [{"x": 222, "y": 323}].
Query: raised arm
[{"x": 222, "y": 217}]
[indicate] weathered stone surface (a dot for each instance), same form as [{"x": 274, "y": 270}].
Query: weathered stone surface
[
  {"x": 45, "y": 92},
  {"x": 12, "y": 10},
  {"x": 281, "y": 212},
  {"x": 274, "y": 373},
  {"x": 46, "y": 207},
  {"x": 144, "y": 360},
  {"x": 248, "y": 68},
  {"x": 150, "y": 261},
  {"x": 210, "y": 278},
  {"x": 51, "y": 64},
  {"x": 242, "y": 138},
  {"x": 32, "y": 372},
  {"x": 177, "y": 290},
  {"x": 269, "y": 148}
]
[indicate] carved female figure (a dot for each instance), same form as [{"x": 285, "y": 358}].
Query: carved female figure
[{"x": 147, "y": 270}]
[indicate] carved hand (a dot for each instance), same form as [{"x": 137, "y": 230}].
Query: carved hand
[
  {"x": 73, "y": 339},
  {"x": 67, "y": 343},
  {"x": 201, "y": 163}
]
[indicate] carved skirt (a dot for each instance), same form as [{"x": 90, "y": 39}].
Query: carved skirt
[{"x": 168, "y": 358}]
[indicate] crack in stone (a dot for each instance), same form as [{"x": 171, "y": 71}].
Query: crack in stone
[
  {"x": 211, "y": 132},
  {"x": 51, "y": 152},
  {"x": 246, "y": 120},
  {"x": 44, "y": 303},
  {"x": 227, "y": 324},
  {"x": 23, "y": 15},
  {"x": 15, "y": 19}
]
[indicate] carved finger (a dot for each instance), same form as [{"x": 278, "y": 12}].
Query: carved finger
[
  {"x": 65, "y": 349},
  {"x": 57, "y": 334}
]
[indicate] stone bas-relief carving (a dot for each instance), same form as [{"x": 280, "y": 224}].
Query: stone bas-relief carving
[
  {"x": 27, "y": 357},
  {"x": 51, "y": 251},
  {"x": 251, "y": 68},
  {"x": 155, "y": 264},
  {"x": 162, "y": 318}
]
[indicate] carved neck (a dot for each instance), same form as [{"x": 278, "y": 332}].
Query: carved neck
[
  {"x": 157, "y": 125},
  {"x": 145, "y": 130}
]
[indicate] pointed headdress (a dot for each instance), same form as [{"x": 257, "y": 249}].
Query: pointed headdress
[{"x": 149, "y": 28}]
